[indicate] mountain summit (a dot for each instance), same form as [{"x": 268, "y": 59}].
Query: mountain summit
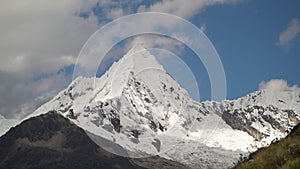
[
  {"x": 137, "y": 105},
  {"x": 137, "y": 61}
]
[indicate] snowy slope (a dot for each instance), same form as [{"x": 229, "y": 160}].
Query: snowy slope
[
  {"x": 266, "y": 115},
  {"x": 139, "y": 106},
  {"x": 6, "y": 124},
  {"x": 258, "y": 119}
]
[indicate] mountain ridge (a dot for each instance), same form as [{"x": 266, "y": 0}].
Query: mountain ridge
[{"x": 144, "y": 110}]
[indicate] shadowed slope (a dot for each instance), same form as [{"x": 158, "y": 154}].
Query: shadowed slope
[{"x": 51, "y": 141}]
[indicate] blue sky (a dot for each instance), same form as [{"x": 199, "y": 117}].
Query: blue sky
[
  {"x": 246, "y": 36},
  {"x": 257, "y": 41}
]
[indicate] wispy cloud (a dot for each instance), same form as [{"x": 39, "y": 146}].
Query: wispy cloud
[
  {"x": 184, "y": 9},
  {"x": 290, "y": 33}
]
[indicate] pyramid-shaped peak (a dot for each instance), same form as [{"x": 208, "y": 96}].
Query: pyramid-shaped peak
[
  {"x": 137, "y": 48},
  {"x": 138, "y": 61},
  {"x": 140, "y": 58}
]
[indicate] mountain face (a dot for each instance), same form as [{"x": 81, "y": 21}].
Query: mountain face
[
  {"x": 266, "y": 115},
  {"x": 140, "y": 107},
  {"x": 287, "y": 152},
  {"x": 52, "y": 141},
  {"x": 134, "y": 103}
]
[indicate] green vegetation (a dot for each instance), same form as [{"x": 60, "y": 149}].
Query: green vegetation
[{"x": 284, "y": 154}]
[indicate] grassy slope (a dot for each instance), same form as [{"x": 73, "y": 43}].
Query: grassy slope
[{"x": 284, "y": 154}]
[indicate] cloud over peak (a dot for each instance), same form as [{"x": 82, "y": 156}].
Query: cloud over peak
[{"x": 278, "y": 84}]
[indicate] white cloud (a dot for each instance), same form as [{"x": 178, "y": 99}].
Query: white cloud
[
  {"x": 184, "y": 9},
  {"x": 278, "y": 84},
  {"x": 154, "y": 41},
  {"x": 39, "y": 38},
  {"x": 290, "y": 33}
]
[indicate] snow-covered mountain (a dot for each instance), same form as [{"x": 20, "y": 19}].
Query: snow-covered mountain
[
  {"x": 132, "y": 103},
  {"x": 138, "y": 105}
]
